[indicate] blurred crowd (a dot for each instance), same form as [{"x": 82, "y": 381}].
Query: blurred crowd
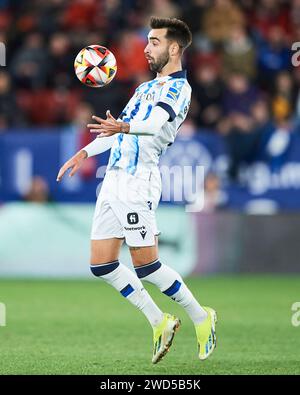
[{"x": 239, "y": 64}]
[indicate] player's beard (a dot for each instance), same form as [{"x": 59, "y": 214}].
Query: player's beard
[{"x": 160, "y": 63}]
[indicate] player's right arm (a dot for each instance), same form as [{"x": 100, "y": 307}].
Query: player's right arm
[
  {"x": 74, "y": 164},
  {"x": 96, "y": 147},
  {"x": 174, "y": 101}
]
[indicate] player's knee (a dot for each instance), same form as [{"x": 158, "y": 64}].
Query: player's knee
[{"x": 104, "y": 268}]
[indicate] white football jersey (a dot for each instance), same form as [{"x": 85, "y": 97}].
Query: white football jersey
[{"x": 137, "y": 152}]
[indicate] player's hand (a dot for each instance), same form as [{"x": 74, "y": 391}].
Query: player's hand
[
  {"x": 74, "y": 163},
  {"x": 106, "y": 127}
]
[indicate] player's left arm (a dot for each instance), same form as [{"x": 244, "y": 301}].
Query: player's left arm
[
  {"x": 110, "y": 126},
  {"x": 174, "y": 99}
]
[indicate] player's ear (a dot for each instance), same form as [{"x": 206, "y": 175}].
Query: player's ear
[{"x": 174, "y": 49}]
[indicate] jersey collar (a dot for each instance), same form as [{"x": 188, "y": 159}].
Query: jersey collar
[{"x": 178, "y": 74}]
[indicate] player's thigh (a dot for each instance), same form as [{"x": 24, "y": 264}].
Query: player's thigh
[
  {"x": 105, "y": 251},
  {"x": 144, "y": 255}
]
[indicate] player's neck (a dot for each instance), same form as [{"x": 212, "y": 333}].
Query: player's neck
[{"x": 169, "y": 69}]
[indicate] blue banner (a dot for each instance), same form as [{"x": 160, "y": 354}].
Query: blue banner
[
  {"x": 271, "y": 181},
  {"x": 25, "y": 155}
]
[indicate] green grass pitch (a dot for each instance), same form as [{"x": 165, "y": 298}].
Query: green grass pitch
[{"x": 86, "y": 327}]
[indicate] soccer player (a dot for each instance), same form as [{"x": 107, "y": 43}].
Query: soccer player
[{"x": 131, "y": 189}]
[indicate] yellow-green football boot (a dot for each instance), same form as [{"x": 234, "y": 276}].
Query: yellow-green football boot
[
  {"x": 206, "y": 334},
  {"x": 163, "y": 335}
]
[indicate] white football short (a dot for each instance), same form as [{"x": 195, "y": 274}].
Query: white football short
[{"x": 126, "y": 207}]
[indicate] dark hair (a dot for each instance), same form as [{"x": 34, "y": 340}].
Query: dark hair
[{"x": 177, "y": 30}]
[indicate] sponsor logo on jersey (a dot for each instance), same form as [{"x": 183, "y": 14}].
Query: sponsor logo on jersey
[
  {"x": 132, "y": 218},
  {"x": 141, "y": 228},
  {"x": 145, "y": 96}
]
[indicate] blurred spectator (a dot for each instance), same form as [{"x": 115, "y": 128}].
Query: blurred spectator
[
  {"x": 129, "y": 50},
  {"x": 261, "y": 116},
  {"x": 193, "y": 14},
  {"x": 296, "y": 81},
  {"x": 29, "y": 65},
  {"x": 208, "y": 94},
  {"x": 38, "y": 191},
  {"x": 219, "y": 19},
  {"x": 112, "y": 97},
  {"x": 245, "y": 137},
  {"x": 239, "y": 53},
  {"x": 82, "y": 117},
  {"x": 163, "y": 8},
  {"x": 115, "y": 14},
  {"x": 9, "y": 111},
  {"x": 5, "y": 18},
  {"x": 273, "y": 56},
  {"x": 239, "y": 126},
  {"x": 284, "y": 97},
  {"x": 50, "y": 16},
  {"x": 214, "y": 197},
  {"x": 46, "y": 107},
  {"x": 61, "y": 60},
  {"x": 269, "y": 14},
  {"x": 295, "y": 17},
  {"x": 239, "y": 95},
  {"x": 81, "y": 14}
]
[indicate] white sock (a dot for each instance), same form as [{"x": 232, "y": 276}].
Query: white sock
[
  {"x": 171, "y": 284},
  {"x": 129, "y": 285}
]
